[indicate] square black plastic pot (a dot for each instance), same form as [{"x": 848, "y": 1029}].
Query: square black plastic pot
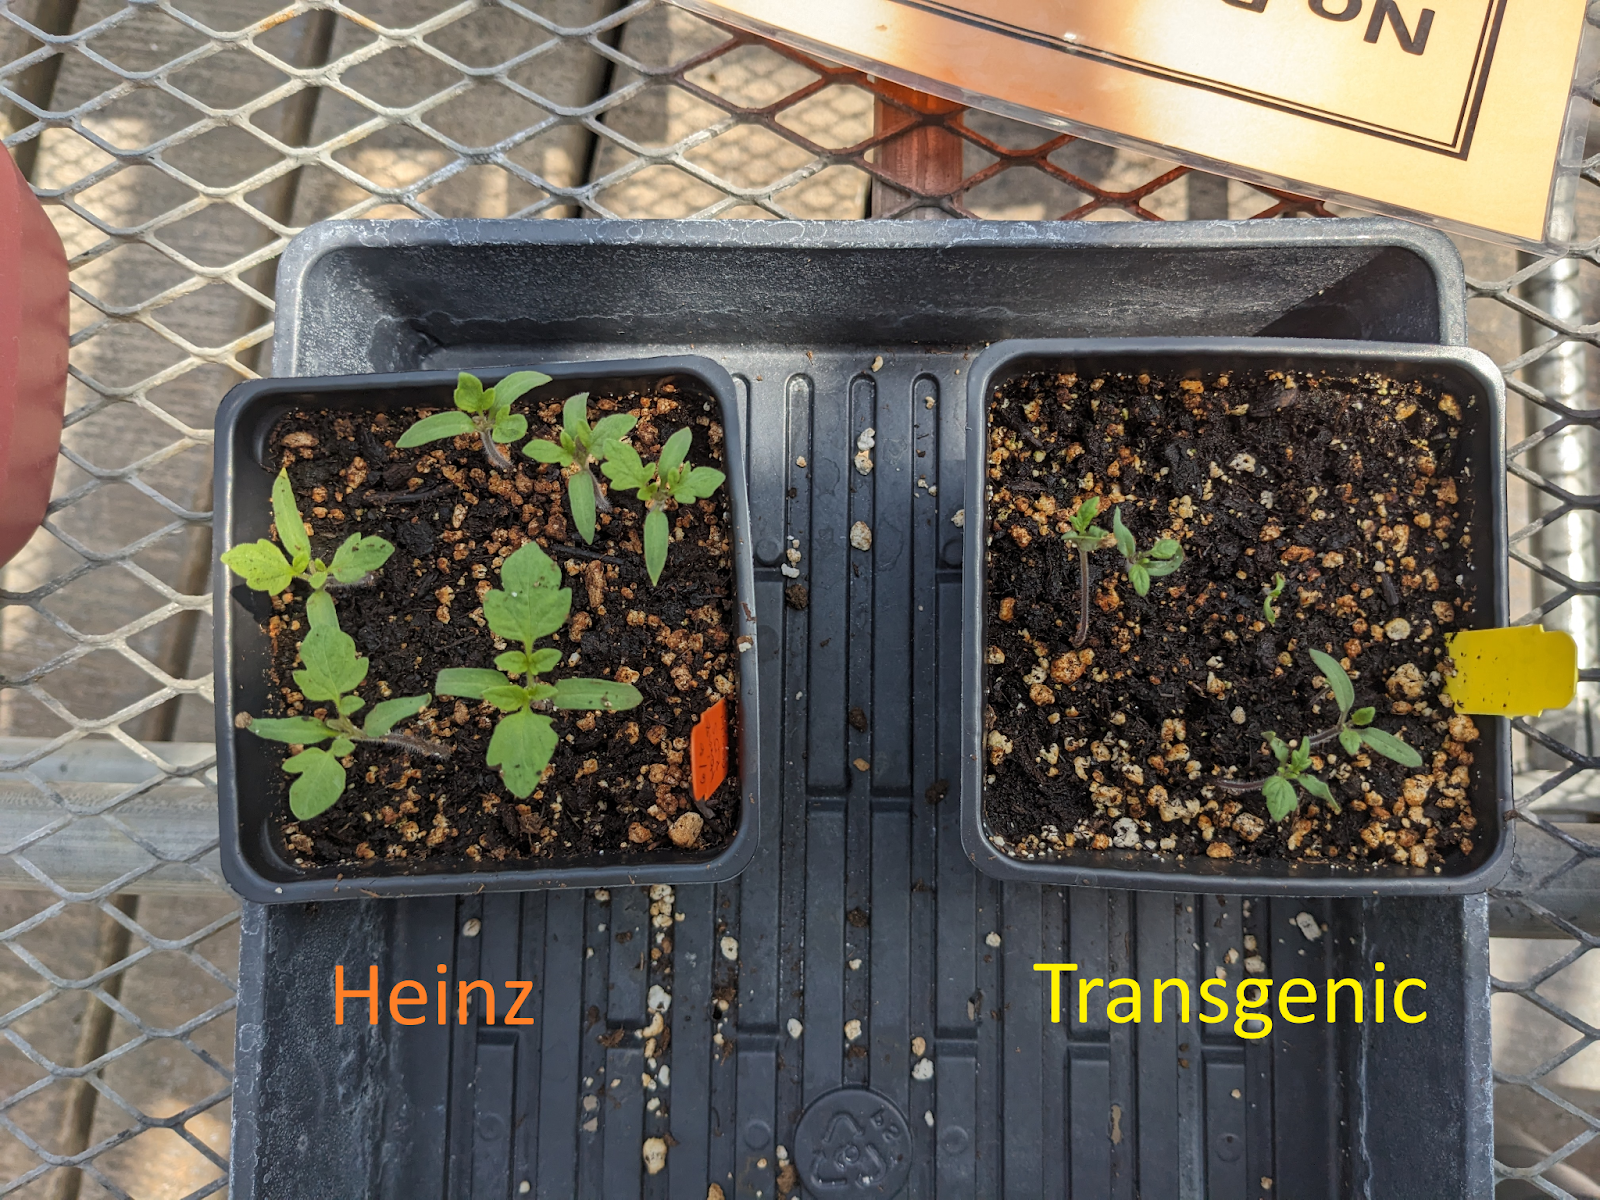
[
  {"x": 1464, "y": 373},
  {"x": 252, "y": 792}
]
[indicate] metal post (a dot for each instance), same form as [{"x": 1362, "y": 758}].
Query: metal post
[
  {"x": 37, "y": 85},
  {"x": 926, "y": 158}
]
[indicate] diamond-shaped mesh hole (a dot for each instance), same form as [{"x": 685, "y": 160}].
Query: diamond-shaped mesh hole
[
  {"x": 657, "y": 116},
  {"x": 659, "y": 189},
  {"x": 488, "y": 38},
  {"x": 834, "y": 192},
  {"x": 148, "y": 41},
  {"x": 132, "y": 196},
  {"x": 481, "y": 192},
  {"x": 141, "y": 119},
  {"x": 749, "y": 157},
  {"x": 1023, "y": 194},
  {"x": 399, "y": 78},
  {"x": 221, "y": 157},
  {"x": 484, "y": 116},
  {"x": 837, "y": 117},
  {"x": 751, "y": 76}
]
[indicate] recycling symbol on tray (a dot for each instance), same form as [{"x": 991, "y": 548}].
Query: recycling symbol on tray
[{"x": 853, "y": 1142}]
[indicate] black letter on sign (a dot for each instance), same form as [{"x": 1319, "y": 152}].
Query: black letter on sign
[
  {"x": 1352, "y": 10},
  {"x": 1388, "y": 8},
  {"x": 1252, "y": 5}
]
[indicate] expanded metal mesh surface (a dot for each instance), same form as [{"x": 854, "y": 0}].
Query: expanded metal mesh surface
[{"x": 179, "y": 144}]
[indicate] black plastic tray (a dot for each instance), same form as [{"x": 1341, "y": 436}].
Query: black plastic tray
[
  {"x": 853, "y": 866},
  {"x": 250, "y": 790},
  {"x": 1465, "y": 373}
]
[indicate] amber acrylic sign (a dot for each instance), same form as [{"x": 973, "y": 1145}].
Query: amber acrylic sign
[{"x": 1454, "y": 112}]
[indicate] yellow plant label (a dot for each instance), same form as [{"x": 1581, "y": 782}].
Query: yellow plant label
[{"x": 1517, "y": 672}]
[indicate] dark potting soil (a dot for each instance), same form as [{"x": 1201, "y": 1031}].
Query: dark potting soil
[
  {"x": 1355, "y": 490},
  {"x": 618, "y": 784}
]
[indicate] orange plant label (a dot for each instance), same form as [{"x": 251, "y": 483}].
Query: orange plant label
[{"x": 708, "y": 750}]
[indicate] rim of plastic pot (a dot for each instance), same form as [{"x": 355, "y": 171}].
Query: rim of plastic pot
[
  {"x": 252, "y": 862},
  {"x": 1491, "y": 790}
]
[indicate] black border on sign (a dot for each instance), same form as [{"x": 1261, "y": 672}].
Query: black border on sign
[{"x": 1466, "y": 118}]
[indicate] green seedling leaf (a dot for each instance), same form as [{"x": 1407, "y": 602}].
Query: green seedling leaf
[
  {"x": 674, "y": 452},
  {"x": 291, "y": 528},
  {"x": 1300, "y": 760},
  {"x": 541, "y": 691},
  {"x": 341, "y": 747},
  {"x": 1280, "y": 796},
  {"x": 1086, "y": 513},
  {"x": 515, "y": 385},
  {"x": 1139, "y": 576},
  {"x": 513, "y": 662},
  {"x": 1350, "y": 740},
  {"x": 321, "y": 782},
  {"x": 1344, "y": 692},
  {"x": 1279, "y": 750},
  {"x": 624, "y": 467},
  {"x": 1317, "y": 788},
  {"x": 512, "y": 427},
  {"x": 521, "y": 747},
  {"x": 359, "y": 557},
  {"x": 655, "y": 544},
  {"x": 1269, "y": 609},
  {"x": 529, "y": 567},
  {"x": 527, "y": 616},
  {"x": 610, "y": 429},
  {"x": 386, "y": 714},
  {"x": 470, "y": 396},
  {"x": 1159, "y": 567},
  {"x": 468, "y": 683},
  {"x": 1125, "y": 542},
  {"x": 332, "y": 666},
  {"x": 1390, "y": 746},
  {"x": 519, "y": 662},
  {"x": 698, "y": 484},
  {"x": 1363, "y": 716},
  {"x": 575, "y": 419},
  {"x": 297, "y": 731},
  {"x": 595, "y": 695},
  {"x": 435, "y": 428},
  {"x": 1167, "y": 548},
  {"x": 533, "y": 604},
  {"x": 320, "y": 611},
  {"x": 349, "y": 705},
  {"x": 542, "y": 450},
  {"x": 261, "y": 565},
  {"x": 580, "y": 496},
  {"x": 507, "y": 697}
]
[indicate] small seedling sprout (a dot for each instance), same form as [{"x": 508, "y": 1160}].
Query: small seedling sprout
[
  {"x": 533, "y": 605},
  {"x": 1294, "y": 771},
  {"x": 671, "y": 476},
  {"x": 578, "y": 445},
  {"x": 1085, "y": 537},
  {"x": 485, "y": 411},
  {"x": 331, "y": 672},
  {"x": 1269, "y": 609},
  {"x": 1354, "y": 732},
  {"x": 1163, "y": 558},
  {"x": 265, "y": 568}
]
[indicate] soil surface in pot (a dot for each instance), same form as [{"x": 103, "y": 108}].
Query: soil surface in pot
[
  {"x": 618, "y": 784},
  {"x": 1355, "y": 490}
]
